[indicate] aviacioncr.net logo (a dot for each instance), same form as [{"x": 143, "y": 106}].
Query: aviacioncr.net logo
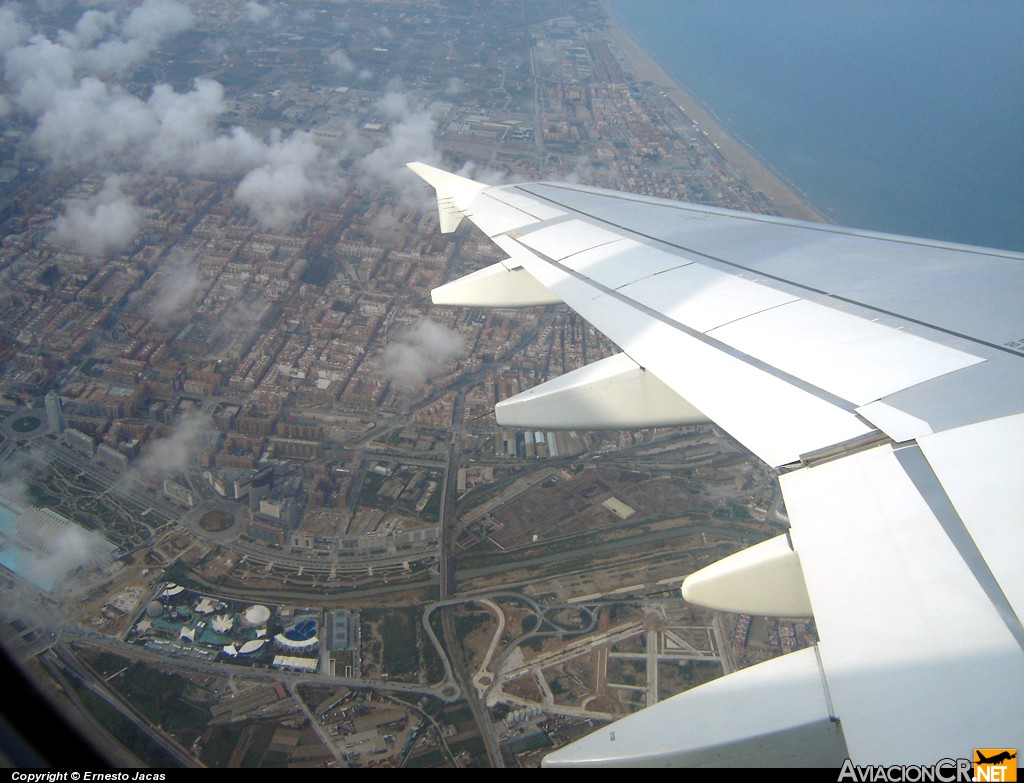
[
  {"x": 998, "y": 765},
  {"x": 942, "y": 771}
]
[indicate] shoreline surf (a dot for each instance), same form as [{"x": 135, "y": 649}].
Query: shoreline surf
[{"x": 784, "y": 196}]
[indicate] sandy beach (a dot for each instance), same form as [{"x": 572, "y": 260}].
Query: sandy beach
[{"x": 786, "y": 200}]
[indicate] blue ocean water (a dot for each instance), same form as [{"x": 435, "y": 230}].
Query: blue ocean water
[{"x": 893, "y": 116}]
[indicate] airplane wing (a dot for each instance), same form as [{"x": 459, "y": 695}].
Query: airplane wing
[{"x": 881, "y": 376}]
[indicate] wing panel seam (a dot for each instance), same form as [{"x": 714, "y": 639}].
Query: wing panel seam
[
  {"x": 751, "y": 315},
  {"x": 778, "y": 279},
  {"x": 700, "y": 209},
  {"x": 728, "y": 350},
  {"x": 920, "y": 473}
]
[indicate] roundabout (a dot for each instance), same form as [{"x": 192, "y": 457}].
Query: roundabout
[
  {"x": 216, "y": 521},
  {"x": 26, "y": 424}
]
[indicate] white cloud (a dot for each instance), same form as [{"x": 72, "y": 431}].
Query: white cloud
[
  {"x": 341, "y": 61},
  {"x": 100, "y": 224},
  {"x": 93, "y": 124},
  {"x": 17, "y": 471},
  {"x": 173, "y": 453},
  {"x": 176, "y": 281},
  {"x": 186, "y": 138},
  {"x": 256, "y": 13},
  {"x": 411, "y": 138},
  {"x": 393, "y": 105},
  {"x": 40, "y": 67},
  {"x": 69, "y": 548},
  {"x": 12, "y": 30},
  {"x": 38, "y": 70},
  {"x": 420, "y": 352},
  {"x": 85, "y": 121},
  {"x": 237, "y": 320},
  {"x": 155, "y": 20},
  {"x": 295, "y": 176},
  {"x": 473, "y": 170},
  {"x": 89, "y": 30}
]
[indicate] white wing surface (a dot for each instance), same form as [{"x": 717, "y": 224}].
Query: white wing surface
[{"x": 882, "y": 376}]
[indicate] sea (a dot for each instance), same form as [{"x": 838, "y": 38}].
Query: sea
[{"x": 903, "y": 116}]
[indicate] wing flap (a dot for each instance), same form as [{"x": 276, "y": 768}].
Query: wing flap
[
  {"x": 773, "y": 714},
  {"x": 562, "y": 240},
  {"x": 531, "y": 206},
  {"x": 959, "y": 289},
  {"x": 899, "y": 613},
  {"x": 981, "y": 468},
  {"x": 619, "y": 263},
  {"x": 853, "y": 358},
  {"x": 773, "y": 418},
  {"x": 897, "y": 424},
  {"x": 494, "y": 217},
  {"x": 817, "y": 347},
  {"x": 703, "y": 298}
]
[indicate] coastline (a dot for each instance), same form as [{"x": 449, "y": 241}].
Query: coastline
[{"x": 783, "y": 196}]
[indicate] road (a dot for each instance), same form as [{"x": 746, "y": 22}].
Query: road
[
  {"x": 63, "y": 660},
  {"x": 451, "y": 638}
]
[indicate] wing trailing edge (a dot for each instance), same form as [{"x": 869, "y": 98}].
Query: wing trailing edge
[
  {"x": 775, "y": 714},
  {"x": 881, "y": 376}
]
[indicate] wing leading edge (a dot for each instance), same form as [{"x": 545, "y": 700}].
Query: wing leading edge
[{"x": 881, "y": 376}]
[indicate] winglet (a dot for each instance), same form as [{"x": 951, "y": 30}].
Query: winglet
[{"x": 454, "y": 193}]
